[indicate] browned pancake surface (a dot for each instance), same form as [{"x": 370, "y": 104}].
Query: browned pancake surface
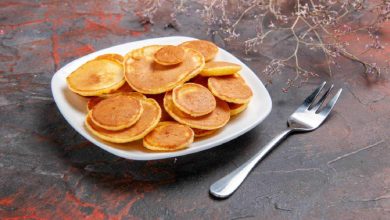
[
  {"x": 193, "y": 99},
  {"x": 208, "y": 49},
  {"x": 169, "y": 55},
  {"x": 149, "y": 119},
  {"x": 146, "y": 76},
  {"x": 116, "y": 112},
  {"x": 93, "y": 101},
  {"x": 96, "y": 77},
  {"x": 216, "y": 119},
  {"x": 230, "y": 88},
  {"x": 169, "y": 136}
]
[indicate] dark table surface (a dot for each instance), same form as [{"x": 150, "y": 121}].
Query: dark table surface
[{"x": 47, "y": 170}]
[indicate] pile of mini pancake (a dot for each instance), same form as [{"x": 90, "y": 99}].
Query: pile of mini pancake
[{"x": 166, "y": 95}]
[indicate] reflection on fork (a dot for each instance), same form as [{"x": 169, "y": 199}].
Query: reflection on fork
[{"x": 307, "y": 117}]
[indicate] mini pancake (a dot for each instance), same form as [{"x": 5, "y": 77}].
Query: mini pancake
[
  {"x": 169, "y": 55},
  {"x": 148, "y": 77},
  {"x": 96, "y": 77},
  {"x": 216, "y": 119},
  {"x": 169, "y": 136},
  {"x": 148, "y": 120},
  {"x": 219, "y": 68},
  {"x": 111, "y": 56},
  {"x": 230, "y": 88},
  {"x": 203, "y": 133},
  {"x": 236, "y": 109},
  {"x": 193, "y": 99},
  {"x": 116, "y": 112},
  {"x": 96, "y": 99},
  {"x": 206, "y": 48}
]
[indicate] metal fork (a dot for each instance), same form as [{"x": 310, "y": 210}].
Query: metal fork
[{"x": 306, "y": 118}]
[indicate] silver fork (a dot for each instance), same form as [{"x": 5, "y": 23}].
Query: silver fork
[{"x": 306, "y": 118}]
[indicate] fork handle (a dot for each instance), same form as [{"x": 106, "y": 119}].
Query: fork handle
[{"x": 224, "y": 187}]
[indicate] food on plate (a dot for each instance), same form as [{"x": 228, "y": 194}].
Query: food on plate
[
  {"x": 236, "y": 109},
  {"x": 220, "y": 68},
  {"x": 214, "y": 120},
  {"x": 166, "y": 95},
  {"x": 169, "y": 136},
  {"x": 231, "y": 88},
  {"x": 149, "y": 119},
  {"x": 208, "y": 49},
  {"x": 117, "y": 112},
  {"x": 146, "y": 76},
  {"x": 169, "y": 55},
  {"x": 96, "y": 77},
  {"x": 96, "y": 99},
  {"x": 193, "y": 99},
  {"x": 202, "y": 133},
  {"x": 111, "y": 56}
]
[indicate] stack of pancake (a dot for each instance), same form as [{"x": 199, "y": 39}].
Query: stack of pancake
[{"x": 164, "y": 94}]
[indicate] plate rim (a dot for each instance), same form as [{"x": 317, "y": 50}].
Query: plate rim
[{"x": 157, "y": 155}]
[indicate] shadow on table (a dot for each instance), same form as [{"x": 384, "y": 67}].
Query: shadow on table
[{"x": 99, "y": 168}]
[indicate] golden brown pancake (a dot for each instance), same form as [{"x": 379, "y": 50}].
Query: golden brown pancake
[
  {"x": 148, "y": 120},
  {"x": 220, "y": 68},
  {"x": 230, "y": 88},
  {"x": 236, "y": 109},
  {"x": 117, "y": 112},
  {"x": 169, "y": 136},
  {"x": 111, "y": 56},
  {"x": 193, "y": 99},
  {"x": 169, "y": 55},
  {"x": 96, "y": 99},
  {"x": 216, "y": 119},
  {"x": 123, "y": 89},
  {"x": 207, "y": 48},
  {"x": 96, "y": 77},
  {"x": 148, "y": 77},
  {"x": 202, "y": 133}
]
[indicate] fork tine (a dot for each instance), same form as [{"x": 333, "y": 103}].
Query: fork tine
[
  {"x": 319, "y": 103},
  {"x": 309, "y": 100},
  {"x": 325, "y": 112}
]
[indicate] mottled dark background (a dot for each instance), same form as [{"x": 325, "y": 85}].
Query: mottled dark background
[{"x": 48, "y": 171}]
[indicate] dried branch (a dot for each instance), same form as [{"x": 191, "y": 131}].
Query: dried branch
[{"x": 313, "y": 24}]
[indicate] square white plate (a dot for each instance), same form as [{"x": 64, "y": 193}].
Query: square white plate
[{"x": 73, "y": 107}]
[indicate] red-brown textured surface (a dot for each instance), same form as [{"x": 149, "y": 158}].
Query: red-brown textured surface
[{"x": 48, "y": 171}]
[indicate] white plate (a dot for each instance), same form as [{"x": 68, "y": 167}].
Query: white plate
[{"x": 73, "y": 107}]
